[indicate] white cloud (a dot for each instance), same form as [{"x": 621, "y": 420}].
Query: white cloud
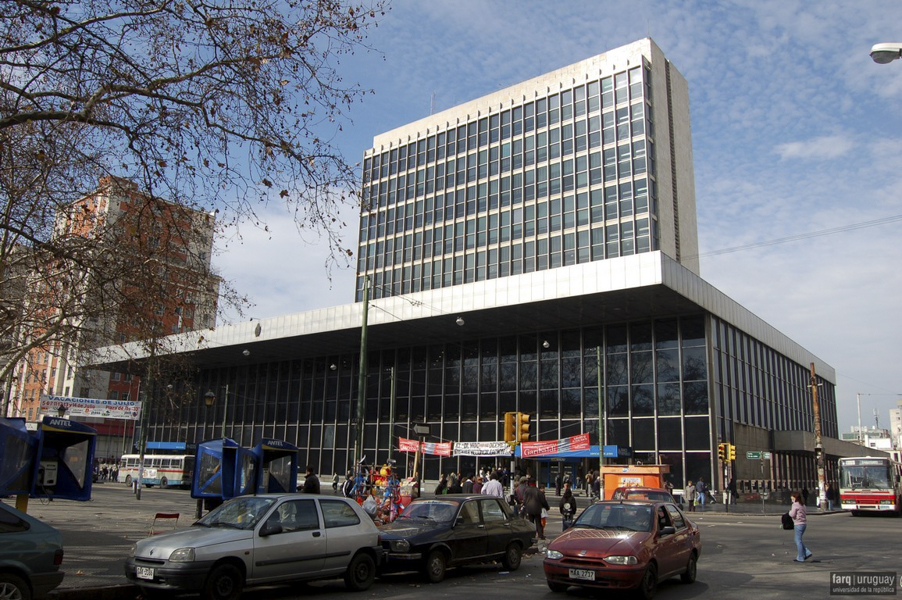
[{"x": 824, "y": 147}]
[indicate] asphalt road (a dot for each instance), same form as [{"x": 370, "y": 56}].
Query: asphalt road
[{"x": 745, "y": 555}]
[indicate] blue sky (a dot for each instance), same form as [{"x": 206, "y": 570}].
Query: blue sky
[{"x": 795, "y": 131}]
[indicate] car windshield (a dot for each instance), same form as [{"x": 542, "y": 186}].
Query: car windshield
[
  {"x": 239, "y": 513},
  {"x": 433, "y": 510},
  {"x": 624, "y": 517}
]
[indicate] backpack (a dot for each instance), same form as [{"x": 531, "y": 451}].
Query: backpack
[{"x": 787, "y": 521}]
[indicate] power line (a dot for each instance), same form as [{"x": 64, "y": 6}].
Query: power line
[{"x": 804, "y": 236}]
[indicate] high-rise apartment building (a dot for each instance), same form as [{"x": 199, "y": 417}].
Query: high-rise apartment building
[
  {"x": 179, "y": 292},
  {"x": 588, "y": 162}
]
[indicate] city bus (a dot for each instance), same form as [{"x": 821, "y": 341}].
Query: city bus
[
  {"x": 166, "y": 464},
  {"x": 869, "y": 483}
]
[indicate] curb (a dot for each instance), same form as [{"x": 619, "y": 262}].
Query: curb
[{"x": 110, "y": 592}]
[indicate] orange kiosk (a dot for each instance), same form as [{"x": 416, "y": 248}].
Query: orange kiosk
[{"x": 615, "y": 476}]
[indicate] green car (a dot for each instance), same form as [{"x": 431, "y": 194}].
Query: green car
[{"x": 31, "y": 553}]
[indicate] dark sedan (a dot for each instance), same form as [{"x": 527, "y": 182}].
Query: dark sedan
[
  {"x": 455, "y": 529},
  {"x": 31, "y": 553},
  {"x": 624, "y": 545}
]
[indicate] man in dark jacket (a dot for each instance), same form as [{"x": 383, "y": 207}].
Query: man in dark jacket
[
  {"x": 533, "y": 502},
  {"x": 311, "y": 483}
]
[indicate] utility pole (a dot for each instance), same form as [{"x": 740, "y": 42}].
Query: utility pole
[
  {"x": 818, "y": 445},
  {"x": 361, "y": 376}
]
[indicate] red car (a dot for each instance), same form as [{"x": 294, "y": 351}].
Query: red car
[
  {"x": 642, "y": 493},
  {"x": 622, "y": 545}
]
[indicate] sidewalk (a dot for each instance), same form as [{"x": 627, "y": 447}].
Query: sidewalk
[{"x": 97, "y": 536}]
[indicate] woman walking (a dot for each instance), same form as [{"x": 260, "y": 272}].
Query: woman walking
[
  {"x": 690, "y": 496},
  {"x": 800, "y": 518}
]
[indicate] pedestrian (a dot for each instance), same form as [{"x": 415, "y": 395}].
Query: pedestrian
[
  {"x": 311, "y": 482},
  {"x": 477, "y": 485},
  {"x": 799, "y": 514},
  {"x": 454, "y": 485},
  {"x": 335, "y": 483},
  {"x": 596, "y": 487},
  {"x": 691, "y": 493},
  {"x": 468, "y": 485},
  {"x": 830, "y": 495},
  {"x": 533, "y": 502},
  {"x": 442, "y": 487},
  {"x": 567, "y": 507},
  {"x": 734, "y": 494},
  {"x": 558, "y": 482},
  {"x": 347, "y": 487},
  {"x": 701, "y": 490},
  {"x": 520, "y": 495},
  {"x": 589, "y": 485},
  {"x": 493, "y": 486}
]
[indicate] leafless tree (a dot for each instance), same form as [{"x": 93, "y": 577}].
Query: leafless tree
[{"x": 219, "y": 107}]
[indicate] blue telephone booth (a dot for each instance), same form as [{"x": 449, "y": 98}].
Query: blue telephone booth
[
  {"x": 18, "y": 450},
  {"x": 223, "y": 470},
  {"x": 277, "y": 467},
  {"x": 65, "y": 454}
]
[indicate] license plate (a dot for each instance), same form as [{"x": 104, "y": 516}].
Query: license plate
[
  {"x": 144, "y": 572},
  {"x": 583, "y": 574}
]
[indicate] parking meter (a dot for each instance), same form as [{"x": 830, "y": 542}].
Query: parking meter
[
  {"x": 277, "y": 467},
  {"x": 65, "y": 454}
]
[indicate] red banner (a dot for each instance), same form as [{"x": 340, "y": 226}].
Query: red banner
[
  {"x": 406, "y": 445},
  {"x": 577, "y": 443}
]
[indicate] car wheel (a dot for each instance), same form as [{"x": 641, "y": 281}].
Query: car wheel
[
  {"x": 435, "y": 566},
  {"x": 128, "y": 480},
  {"x": 361, "y": 573},
  {"x": 224, "y": 583},
  {"x": 691, "y": 569},
  {"x": 512, "y": 557},
  {"x": 557, "y": 588},
  {"x": 649, "y": 585},
  {"x": 164, "y": 482},
  {"x": 13, "y": 587}
]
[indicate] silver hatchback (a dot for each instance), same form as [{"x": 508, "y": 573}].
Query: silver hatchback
[{"x": 255, "y": 540}]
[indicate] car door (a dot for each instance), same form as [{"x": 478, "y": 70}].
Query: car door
[
  {"x": 467, "y": 538},
  {"x": 297, "y": 551},
  {"x": 667, "y": 548},
  {"x": 683, "y": 538},
  {"x": 498, "y": 530},
  {"x": 346, "y": 532}
]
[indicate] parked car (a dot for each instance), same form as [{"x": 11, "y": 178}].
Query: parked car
[
  {"x": 255, "y": 540},
  {"x": 31, "y": 553},
  {"x": 643, "y": 493},
  {"x": 432, "y": 534},
  {"x": 622, "y": 544}
]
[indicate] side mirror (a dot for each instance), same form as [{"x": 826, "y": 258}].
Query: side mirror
[
  {"x": 270, "y": 528},
  {"x": 669, "y": 530}
]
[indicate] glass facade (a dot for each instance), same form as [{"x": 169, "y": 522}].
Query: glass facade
[
  {"x": 562, "y": 179},
  {"x": 652, "y": 377}
]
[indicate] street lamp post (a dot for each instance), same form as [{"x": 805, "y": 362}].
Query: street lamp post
[
  {"x": 361, "y": 376},
  {"x": 885, "y": 53},
  {"x": 210, "y": 400},
  {"x": 818, "y": 445}
]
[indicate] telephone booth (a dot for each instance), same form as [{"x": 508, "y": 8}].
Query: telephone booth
[
  {"x": 223, "y": 470},
  {"x": 65, "y": 453},
  {"x": 277, "y": 467},
  {"x": 18, "y": 449}
]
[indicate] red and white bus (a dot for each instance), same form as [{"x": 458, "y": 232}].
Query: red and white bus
[{"x": 870, "y": 484}]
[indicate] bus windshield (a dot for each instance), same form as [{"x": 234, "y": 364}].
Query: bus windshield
[{"x": 866, "y": 476}]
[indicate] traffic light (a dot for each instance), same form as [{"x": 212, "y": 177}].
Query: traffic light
[
  {"x": 509, "y": 425},
  {"x": 522, "y": 433},
  {"x": 732, "y": 452},
  {"x": 722, "y": 451}
]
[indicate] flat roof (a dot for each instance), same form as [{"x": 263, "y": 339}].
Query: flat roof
[{"x": 630, "y": 288}]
